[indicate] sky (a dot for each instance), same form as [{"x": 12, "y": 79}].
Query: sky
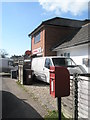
[{"x": 21, "y": 18}]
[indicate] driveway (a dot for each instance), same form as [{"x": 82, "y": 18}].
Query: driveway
[{"x": 16, "y": 103}]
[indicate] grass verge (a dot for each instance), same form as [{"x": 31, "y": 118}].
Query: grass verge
[
  {"x": 31, "y": 94},
  {"x": 19, "y": 83},
  {"x": 53, "y": 115}
]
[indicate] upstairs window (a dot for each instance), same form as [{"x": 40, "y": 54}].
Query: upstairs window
[{"x": 37, "y": 38}]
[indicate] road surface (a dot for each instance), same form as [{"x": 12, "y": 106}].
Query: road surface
[{"x": 16, "y": 103}]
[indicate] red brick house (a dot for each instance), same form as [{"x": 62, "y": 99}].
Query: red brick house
[{"x": 50, "y": 32}]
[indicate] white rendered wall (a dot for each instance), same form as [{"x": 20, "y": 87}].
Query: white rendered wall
[{"x": 77, "y": 53}]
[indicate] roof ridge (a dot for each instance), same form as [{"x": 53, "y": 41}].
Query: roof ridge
[
  {"x": 59, "y": 21},
  {"x": 62, "y": 18}
]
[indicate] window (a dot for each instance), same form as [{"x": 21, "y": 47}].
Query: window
[
  {"x": 59, "y": 61},
  {"x": 69, "y": 62},
  {"x": 48, "y": 63},
  {"x": 86, "y": 62},
  {"x": 37, "y": 38},
  {"x": 67, "y": 54},
  {"x": 63, "y": 62}
]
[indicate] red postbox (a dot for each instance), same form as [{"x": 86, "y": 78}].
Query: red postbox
[{"x": 59, "y": 81}]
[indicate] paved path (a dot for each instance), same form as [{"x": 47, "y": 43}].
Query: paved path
[{"x": 17, "y": 103}]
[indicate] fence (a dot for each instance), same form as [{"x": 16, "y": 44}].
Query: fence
[{"x": 77, "y": 104}]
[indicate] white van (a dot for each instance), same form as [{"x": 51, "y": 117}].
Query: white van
[
  {"x": 6, "y": 65},
  {"x": 41, "y": 66}
]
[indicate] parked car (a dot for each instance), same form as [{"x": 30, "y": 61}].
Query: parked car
[{"x": 41, "y": 66}]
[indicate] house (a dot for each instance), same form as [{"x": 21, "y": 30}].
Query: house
[
  {"x": 76, "y": 46},
  {"x": 51, "y": 32}
]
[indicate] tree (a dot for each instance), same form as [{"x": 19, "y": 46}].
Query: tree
[{"x": 3, "y": 53}]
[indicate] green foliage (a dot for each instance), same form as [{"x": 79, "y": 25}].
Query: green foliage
[
  {"x": 18, "y": 82},
  {"x": 53, "y": 115},
  {"x": 3, "y": 53}
]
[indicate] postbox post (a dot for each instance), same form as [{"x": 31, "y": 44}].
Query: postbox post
[{"x": 59, "y": 108}]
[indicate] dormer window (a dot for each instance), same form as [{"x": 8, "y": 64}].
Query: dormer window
[{"x": 37, "y": 38}]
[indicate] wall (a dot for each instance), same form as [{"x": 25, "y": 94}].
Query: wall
[
  {"x": 53, "y": 35},
  {"x": 41, "y": 43},
  {"x": 77, "y": 53}
]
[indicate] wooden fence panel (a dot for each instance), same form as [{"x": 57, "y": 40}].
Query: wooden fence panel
[
  {"x": 68, "y": 103},
  {"x": 83, "y": 94}
]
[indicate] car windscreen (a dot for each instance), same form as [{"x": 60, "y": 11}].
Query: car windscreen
[{"x": 63, "y": 62}]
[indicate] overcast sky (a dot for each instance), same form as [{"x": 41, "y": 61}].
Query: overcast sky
[{"x": 20, "y": 18}]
